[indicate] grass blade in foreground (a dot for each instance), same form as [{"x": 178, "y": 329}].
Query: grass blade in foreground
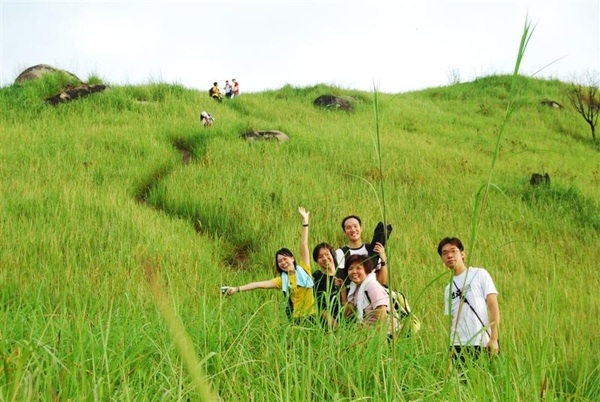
[{"x": 178, "y": 333}]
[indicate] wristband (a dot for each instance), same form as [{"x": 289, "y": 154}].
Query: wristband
[
  {"x": 383, "y": 263},
  {"x": 305, "y": 224}
]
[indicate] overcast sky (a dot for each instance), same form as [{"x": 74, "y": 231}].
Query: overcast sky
[{"x": 395, "y": 45}]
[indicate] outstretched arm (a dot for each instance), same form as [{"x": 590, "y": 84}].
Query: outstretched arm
[
  {"x": 270, "y": 284},
  {"x": 304, "y": 252}
]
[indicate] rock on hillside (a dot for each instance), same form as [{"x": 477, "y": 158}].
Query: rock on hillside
[
  {"x": 73, "y": 89},
  {"x": 70, "y": 93},
  {"x": 268, "y": 135},
  {"x": 332, "y": 102},
  {"x": 35, "y": 72}
]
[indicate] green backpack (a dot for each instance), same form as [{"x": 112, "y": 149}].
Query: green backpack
[
  {"x": 403, "y": 313},
  {"x": 408, "y": 322}
]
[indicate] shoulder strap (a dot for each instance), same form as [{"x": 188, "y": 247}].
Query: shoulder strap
[
  {"x": 367, "y": 296},
  {"x": 464, "y": 298},
  {"x": 345, "y": 253}
]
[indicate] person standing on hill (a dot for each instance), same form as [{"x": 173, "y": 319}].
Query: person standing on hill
[
  {"x": 471, "y": 298},
  {"x": 215, "y": 93},
  {"x": 228, "y": 89},
  {"x": 294, "y": 279},
  {"x": 236, "y": 88}
]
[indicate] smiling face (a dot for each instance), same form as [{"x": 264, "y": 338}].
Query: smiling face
[
  {"x": 285, "y": 262},
  {"x": 325, "y": 259},
  {"x": 353, "y": 230},
  {"x": 357, "y": 273}
]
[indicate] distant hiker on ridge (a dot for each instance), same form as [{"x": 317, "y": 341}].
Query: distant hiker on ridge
[
  {"x": 215, "y": 93},
  {"x": 206, "y": 118},
  {"x": 236, "y": 88},
  {"x": 228, "y": 89}
]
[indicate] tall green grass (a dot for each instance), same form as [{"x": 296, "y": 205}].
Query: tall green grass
[{"x": 86, "y": 185}]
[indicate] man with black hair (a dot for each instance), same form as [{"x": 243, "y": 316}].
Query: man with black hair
[
  {"x": 471, "y": 298},
  {"x": 228, "y": 89},
  {"x": 215, "y": 93},
  {"x": 352, "y": 227}
]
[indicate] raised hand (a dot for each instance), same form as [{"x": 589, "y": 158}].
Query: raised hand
[{"x": 305, "y": 215}]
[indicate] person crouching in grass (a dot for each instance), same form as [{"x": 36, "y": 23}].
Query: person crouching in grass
[
  {"x": 367, "y": 298},
  {"x": 294, "y": 279}
]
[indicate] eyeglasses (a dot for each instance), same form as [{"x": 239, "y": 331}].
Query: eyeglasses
[{"x": 453, "y": 251}]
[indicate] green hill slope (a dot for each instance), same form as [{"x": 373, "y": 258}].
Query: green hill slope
[{"x": 97, "y": 189}]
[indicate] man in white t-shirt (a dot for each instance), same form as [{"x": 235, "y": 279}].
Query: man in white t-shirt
[{"x": 471, "y": 298}]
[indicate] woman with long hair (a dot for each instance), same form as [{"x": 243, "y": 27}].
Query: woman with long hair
[{"x": 294, "y": 278}]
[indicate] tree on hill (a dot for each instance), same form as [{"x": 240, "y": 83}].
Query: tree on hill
[{"x": 586, "y": 100}]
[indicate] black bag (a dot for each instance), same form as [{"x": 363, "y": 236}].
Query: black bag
[{"x": 380, "y": 235}]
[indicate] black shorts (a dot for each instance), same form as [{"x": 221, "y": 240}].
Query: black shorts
[
  {"x": 462, "y": 353},
  {"x": 474, "y": 352}
]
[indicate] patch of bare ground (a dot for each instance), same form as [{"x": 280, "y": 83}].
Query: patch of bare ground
[{"x": 185, "y": 151}]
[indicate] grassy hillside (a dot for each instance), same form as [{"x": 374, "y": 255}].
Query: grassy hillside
[{"x": 97, "y": 196}]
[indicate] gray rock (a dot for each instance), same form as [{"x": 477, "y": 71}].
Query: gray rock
[
  {"x": 71, "y": 92},
  {"x": 35, "y": 72},
  {"x": 332, "y": 102},
  {"x": 266, "y": 135}
]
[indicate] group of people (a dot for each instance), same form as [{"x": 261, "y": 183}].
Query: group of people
[
  {"x": 231, "y": 90},
  {"x": 214, "y": 92},
  {"x": 351, "y": 285}
]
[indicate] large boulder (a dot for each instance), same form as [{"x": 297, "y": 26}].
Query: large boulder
[
  {"x": 266, "y": 135},
  {"x": 332, "y": 102},
  {"x": 71, "y": 92},
  {"x": 35, "y": 72}
]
